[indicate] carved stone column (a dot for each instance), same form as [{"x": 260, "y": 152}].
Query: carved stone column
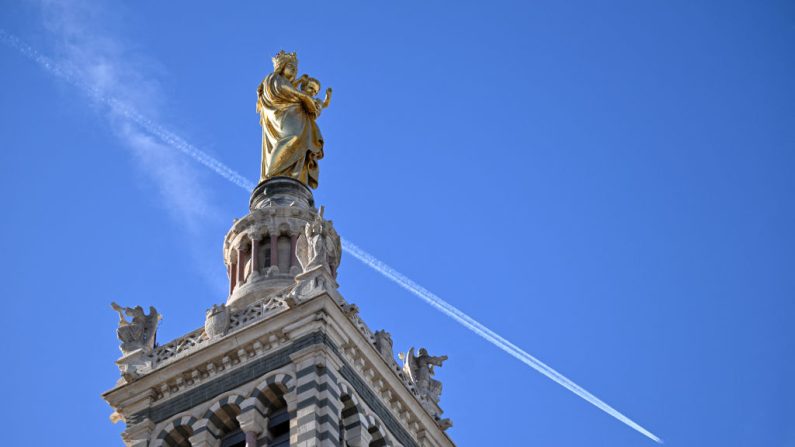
[
  {"x": 233, "y": 257},
  {"x": 255, "y": 238},
  {"x": 252, "y": 420},
  {"x": 204, "y": 438},
  {"x": 274, "y": 234},
  {"x": 293, "y": 247},
  {"x": 241, "y": 266},
  {"x": 231, "y": 274}
]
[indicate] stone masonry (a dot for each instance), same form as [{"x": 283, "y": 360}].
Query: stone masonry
[{"x": 285, "y": 361}]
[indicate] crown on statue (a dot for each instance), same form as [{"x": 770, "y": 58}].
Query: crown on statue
[{"x": 282, "y": 58}]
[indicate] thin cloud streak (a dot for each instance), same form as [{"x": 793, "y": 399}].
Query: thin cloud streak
[
  {"x": 176, "y": 142},
  {"x": 124, "y": 110}
]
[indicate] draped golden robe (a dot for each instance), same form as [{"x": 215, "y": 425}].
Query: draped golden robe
[{"x": 291, "y": 140}]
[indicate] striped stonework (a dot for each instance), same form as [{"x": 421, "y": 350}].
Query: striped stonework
[
  {"x": 378, "y": 436},
  {"x": 220, "y": 419},
  {"x": 317, "y": 401},
  {"x": 176, "y": 433},
  {"x": 354, "y": 425},
  {"x": 312, "y": 388},
  {"x": 271, "y": 391}
]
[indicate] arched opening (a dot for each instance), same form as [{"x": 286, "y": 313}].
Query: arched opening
[
  {"x": 222, "y": 423},
  {"x": 279, "y": 426},
  {"x": 224, "y": 419},
  {"x": 176, "y": 434},
  {"x": 265, "y": 252},
  {"x": 377, "y": 436},
  {"x": 178, "y": 437},
  {"x": 356, "y": 428},
  {"x": 283, "y": 247},
  {"x": 271, "y": 395},
  {"x": 235, "y": 439}
]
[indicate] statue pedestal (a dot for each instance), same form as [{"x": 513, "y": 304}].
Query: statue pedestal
[
  {"x": 133, "y": 364},
  {"x": 312, "y": 283},
  {"x": 281, "y": 191}
]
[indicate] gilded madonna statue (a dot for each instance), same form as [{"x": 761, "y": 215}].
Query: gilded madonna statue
[{"x": 291, "y": 141}]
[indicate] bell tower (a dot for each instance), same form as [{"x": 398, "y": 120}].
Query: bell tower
[{"x": 285, "y": 360}]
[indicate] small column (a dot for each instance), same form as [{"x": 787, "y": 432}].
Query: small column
[
  {"x": 274, "y": 248},
  {"x": 204, "y": 438},
  {"x": 241, "y": 267},
  {"x": 293, "y": 247},
  {"x": 255, "y": 238},
  {"x": 233, "y": 271},
  {"x": 231, "y": 275},
  {"x": 252, "y": 420}
]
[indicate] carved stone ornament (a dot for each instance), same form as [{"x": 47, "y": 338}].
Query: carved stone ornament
[
  {"x": 140, "y": 331},
  {"x": 217, "y": 321},
  {"x": 444, "y": 424},
  {"x": 419, "y": 370},
  {"x": 319, "y": 246},
  {"x": 383, "y": 343}
]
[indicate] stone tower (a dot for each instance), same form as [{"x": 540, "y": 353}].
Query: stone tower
[{"x": 285, "y": 361}]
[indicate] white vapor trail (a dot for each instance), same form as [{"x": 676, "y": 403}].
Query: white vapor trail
[
  {"x": 471, "y": 324},
  {"x": 231, "y": 175}
]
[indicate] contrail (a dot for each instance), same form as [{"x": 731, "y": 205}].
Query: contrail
[
  {"x": 233, "y": 176},
  {"x": 471, "y": 324}
]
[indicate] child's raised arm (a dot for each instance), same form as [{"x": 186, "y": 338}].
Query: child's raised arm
[{"x": 327, "y": 101}]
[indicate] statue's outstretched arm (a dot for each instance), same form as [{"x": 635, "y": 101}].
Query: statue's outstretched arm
[
  {"x": 118, "y": 309},
  {"x": 327, "y": 101},
  {"x": 437, "y": 360}
]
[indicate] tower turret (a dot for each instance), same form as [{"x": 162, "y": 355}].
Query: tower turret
[{"x": 285, "y": 360}]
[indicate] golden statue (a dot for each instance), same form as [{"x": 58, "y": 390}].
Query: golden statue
[{"x": 291, "y": 140}]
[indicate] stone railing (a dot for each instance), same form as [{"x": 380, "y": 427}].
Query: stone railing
[
  {"x": 259, "y": 310},
  {"x": 175, "y": 348},
  {"x": 362, "y": 327}
]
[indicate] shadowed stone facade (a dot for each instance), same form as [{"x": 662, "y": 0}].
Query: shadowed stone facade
[{"x": 286, "y": 361}]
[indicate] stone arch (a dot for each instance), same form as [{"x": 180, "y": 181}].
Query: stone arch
[
  {"x": 221, "y": 417},
  {"x": 176, "y": 433},
  {"x": 271, "y": 391},
  {"x": 271, "y": 396},
  {"x": 353, "y": 421},
  {"x": 378, "y": 437}
]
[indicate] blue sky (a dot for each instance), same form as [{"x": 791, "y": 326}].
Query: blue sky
[{"x": 606, "y": 184}]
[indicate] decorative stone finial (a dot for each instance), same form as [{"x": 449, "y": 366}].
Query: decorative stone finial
[
  {"x": 383, "y": 343},
  {"x": 217, "y": 321}
]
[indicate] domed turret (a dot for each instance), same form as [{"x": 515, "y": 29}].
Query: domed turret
[{"x": 261, "y": 250}]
